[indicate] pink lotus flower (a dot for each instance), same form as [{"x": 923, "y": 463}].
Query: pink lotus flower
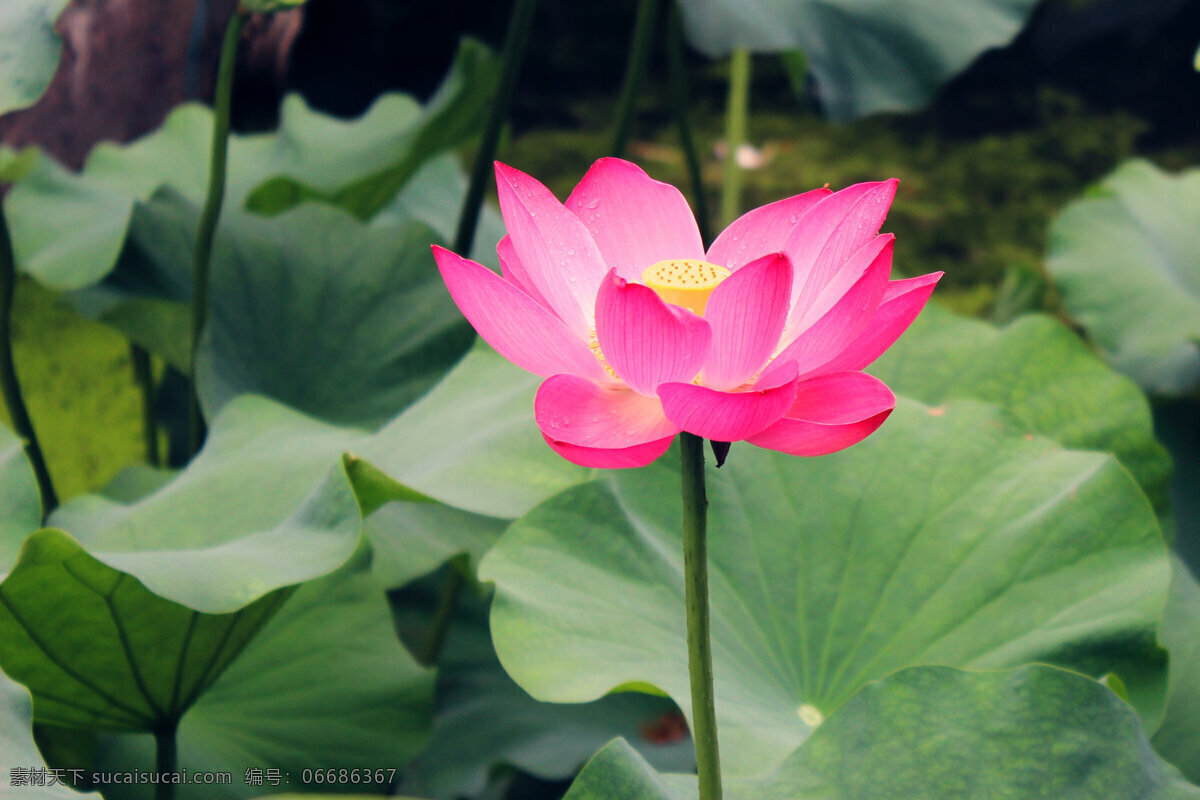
[{"x": 641, "y": 334}]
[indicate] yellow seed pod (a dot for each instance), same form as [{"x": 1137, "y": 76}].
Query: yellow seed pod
[{"x": 685, "y": 282}]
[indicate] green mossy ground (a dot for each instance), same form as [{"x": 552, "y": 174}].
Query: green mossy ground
[{"x": 973, "y": 206}]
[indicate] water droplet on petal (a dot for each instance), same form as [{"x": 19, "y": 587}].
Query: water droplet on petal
[{"x": 593, "y": 203}]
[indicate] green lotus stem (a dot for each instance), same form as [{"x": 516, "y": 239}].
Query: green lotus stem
[
  {"x": 635, "y": 71},
  {"x": 212, "y": 208},
  {"x": 435, "y": 637},
  {"x": 13, "y": 398},
  {"x": 514, "y": 53},
  {"x": 143, "y": 375},
  {"x": 677, "y": 80},
  {"x": 166, "y": 760},
  {"x": 695, "y": 576},
  {"x": 735, "y": 133}
]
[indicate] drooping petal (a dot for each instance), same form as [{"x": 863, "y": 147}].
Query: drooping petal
[
  {"x": 833, "y": 332},
  {"x": 726, "y": 416},
  {"x": 635, "y": 220},
  {"x": 901, "y": 304},
  {"x": 830, "y": 413},
  {"x": 827, "y": 236},
  {"x": 512, "y": 322},
  {"x": 746, "y": 313},
  {"x": 514, "y": 271},
  {"x": 764, "y": 230},
  {"x": 579, "y": 412},
  {"x": 639, "y": 455},
  {"x": 647, "y": 341},
  {"x": 555, "y": 249}
]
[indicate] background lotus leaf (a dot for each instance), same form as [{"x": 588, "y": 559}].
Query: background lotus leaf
[
  {"x": 1040, "y": 371},
  {"x": 1124, "y": 259},
  {"x": 16, "y": 742},
  {"x": 29, "y": 50},
  {"x": 1175, "y": 423},
  {"x": 100, "y": 651},
  {"x": 266, "y": 504},
  {"x": 341, "y": 320},
  {"x": 867, "y": 55},
  {"x": 472, "y": 443},
  {"x": 68, "y": 230},
  {"x": 18, "y": 497},
  {"x": 485, "y": 721},
  {"x": 325, "y": 685},
  {"x": 1177, "y": 738},
  {"x": 409, "y": 540},
  {"x": 1036, "y": 733}
]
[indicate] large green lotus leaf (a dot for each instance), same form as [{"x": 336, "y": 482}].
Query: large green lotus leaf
[
  {"x": 20, "y": 750},
  {"x": 867, "y": 55},
  {"x": 1125, "y": 259},
  {"x": 472, "y": 442},
  {"x": 950, "y": 537},
  {"x": 1178, "y": 738},
  {"x": 453, "y": 115},
  {"x": 1037, "y": 369},
  {"x": 1034, "y": 733},
  {"x": 267, "y": 503},
  {"x": 344, "y": 321},
  {"x": 68, "y": 230},
  {"x": 484, "y": 720},
  {"x": 325, "y": 685},
  {"x": 19, "y": 498},
  {"x": 29, "y": 50},
  {"x": 148, "y": 296},
  {"x": 101, "y": 651}
]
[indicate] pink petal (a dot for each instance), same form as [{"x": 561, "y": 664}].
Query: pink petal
[
  {"x": 514, "y": 271},
  {"x": 826, "y": 237},
  {"x": 555, "y": 249},
  {"x": 635, "y": 220},
  {"x": 639, "y": 455},
  {"x": 902, "y": 302},
  {"x": 830, "y": 413},
  {"x": 764, "y": 230},
  {"x": 833, "y": 332},
  {"x": 512, "y": 322},
  {"x": 746, "y": 313},
  {"x": 576, "y": 411},
  {"x": 647, "y": 341},
  {"x": 726, "y": 416}
]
